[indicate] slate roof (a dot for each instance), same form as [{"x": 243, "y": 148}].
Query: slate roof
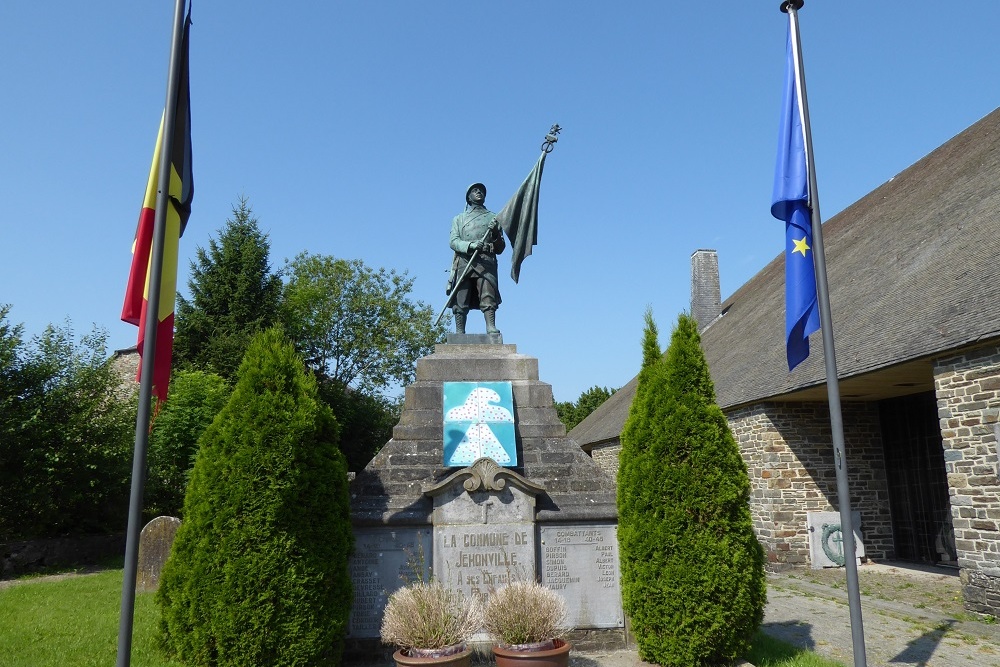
[{"x": 913, "y": 269}]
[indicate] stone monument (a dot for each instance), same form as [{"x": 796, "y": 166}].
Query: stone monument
[
  {"x": 155, "y": 541},
  {"x": 549, "y": 514}
]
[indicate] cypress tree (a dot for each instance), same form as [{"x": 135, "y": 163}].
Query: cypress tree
[
  {"x": 258, "y": 571},
  {"x": 693, "y": 577}
]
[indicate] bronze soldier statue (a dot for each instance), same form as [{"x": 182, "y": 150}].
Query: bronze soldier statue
[{"x": 476, "y": 240}]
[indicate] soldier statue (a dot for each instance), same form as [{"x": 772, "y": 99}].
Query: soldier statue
[{"x": 477, "y": 240}]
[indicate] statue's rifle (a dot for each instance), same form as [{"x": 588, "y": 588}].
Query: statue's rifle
[{"x": 465, "y": 272}]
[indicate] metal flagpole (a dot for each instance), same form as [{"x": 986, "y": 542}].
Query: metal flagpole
[
  {"x": 149, "y": 347},
  {"x": 791, "y": 7}
]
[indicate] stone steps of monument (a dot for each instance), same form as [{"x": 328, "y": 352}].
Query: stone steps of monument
[
  {"x": 426, "y": 395},
  {"x": 486, "y": 369}
]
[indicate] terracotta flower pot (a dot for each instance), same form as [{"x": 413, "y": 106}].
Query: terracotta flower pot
[
  {"x": 550, "y": 657},
  {"x": 457, "y": 656}
]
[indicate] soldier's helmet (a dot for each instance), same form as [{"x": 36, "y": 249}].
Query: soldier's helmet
[{"x": 469, "y": 189}]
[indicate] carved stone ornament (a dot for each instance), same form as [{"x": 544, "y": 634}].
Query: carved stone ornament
[{"x": 484, "y": 474}]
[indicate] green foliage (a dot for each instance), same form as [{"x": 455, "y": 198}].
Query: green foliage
[
  {"x": 234, "y": 294},
  {"x": 195, "y": 398},
  {"x": 572, "y": 414},
  {"x": 258, "y": 571},
  {"x": 66, "y": 435},
  {"x": 356, "y": 325},
  {"x": 365, "y": 421},
  {"x": 692, "y": 570}
]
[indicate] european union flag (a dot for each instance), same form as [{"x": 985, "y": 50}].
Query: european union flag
[{"x": 790, "y": 202}]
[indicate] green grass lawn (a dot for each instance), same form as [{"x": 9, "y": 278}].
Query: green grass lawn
[
  {"x": 770, "y": 652},
  {"x": 73, "y": 622}
]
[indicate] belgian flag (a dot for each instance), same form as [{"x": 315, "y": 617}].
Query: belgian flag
[{"x": 181, "y": 192}]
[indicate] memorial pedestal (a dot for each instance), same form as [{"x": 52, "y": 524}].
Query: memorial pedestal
[{"x": 554, "y": 518}]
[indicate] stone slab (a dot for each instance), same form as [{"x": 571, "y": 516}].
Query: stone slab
[
  {"x": 826, "y": 548},
  {"x": 486, "y": 369},
  {"x": 477, "y": 558},
  {"x": 474, "y": 339},
  {"x": 457, "y": 507},
  {"x": 384, "y": 560},
  {"x": 155, "y": 541},
  {"x": 581, "y": 563}
]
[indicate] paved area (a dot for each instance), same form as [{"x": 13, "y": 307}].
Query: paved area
[{"x": 897, "y": 632}]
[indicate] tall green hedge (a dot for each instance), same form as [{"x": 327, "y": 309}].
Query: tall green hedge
[
  {"x": 258, "y": 571},
  {"x": 693, "y": 577},
  {"x": 195, "y": 398},
  {"x": 66, "y": 434}
]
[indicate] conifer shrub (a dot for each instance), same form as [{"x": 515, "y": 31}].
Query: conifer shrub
[
  {"x": 258, "y": 572},
  {"x": 693, "y": 577}
]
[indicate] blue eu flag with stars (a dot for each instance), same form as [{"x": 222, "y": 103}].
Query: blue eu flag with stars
[{"x": 790, "y": 202}]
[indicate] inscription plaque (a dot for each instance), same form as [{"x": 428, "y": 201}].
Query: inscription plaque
[
  {"x": 477, "y": 558},
  {"x": 384, "y": 560},
  {"x": 581, "y": 563}
]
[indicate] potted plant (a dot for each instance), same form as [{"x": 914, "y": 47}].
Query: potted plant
[
  {"x": 525, "y": 620},
  {"x": 430, "y": 624}
]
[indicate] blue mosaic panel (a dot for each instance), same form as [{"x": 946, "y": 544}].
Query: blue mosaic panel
[{"x": 478, "y": 422}]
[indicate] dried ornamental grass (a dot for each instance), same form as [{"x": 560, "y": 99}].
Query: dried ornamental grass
[
  {"x": 524, "y": 612},
  {"x": 429, "y": 616}
]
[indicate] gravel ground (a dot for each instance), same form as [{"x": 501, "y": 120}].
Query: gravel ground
[{"x": 911, "y": 616}]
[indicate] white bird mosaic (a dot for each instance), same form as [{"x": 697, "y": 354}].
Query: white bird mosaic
[{"x": 479, "y": 440}]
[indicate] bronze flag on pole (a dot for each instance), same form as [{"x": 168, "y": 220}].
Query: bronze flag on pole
[{"x": 519, "y": 218}]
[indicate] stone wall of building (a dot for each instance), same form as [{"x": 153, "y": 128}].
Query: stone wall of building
[
  {"x": 788, "y": 449},
  {"x": 789, "y": 454},
  {"x": 606, "y": 457},
  {"x": 968, "y": 392}
]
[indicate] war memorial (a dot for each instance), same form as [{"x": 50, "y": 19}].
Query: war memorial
[{"x": 480, "y": 485}]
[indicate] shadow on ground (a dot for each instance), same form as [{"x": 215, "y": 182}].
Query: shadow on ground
[
  {"x": 919, "y": 651},
  {"x": 797, "y": 633}
]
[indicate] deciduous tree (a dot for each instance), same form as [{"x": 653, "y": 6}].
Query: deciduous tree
[
  {"x": 195, "y": 398},
  {"x": 356, "y": 325},
  {"x": 66, "y": 434},
  {"x": 571, "y": 413}
]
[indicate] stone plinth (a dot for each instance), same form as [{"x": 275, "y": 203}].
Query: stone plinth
[
  {"x": 482, "y": 536},
  {"x": 389, "y": 490}
]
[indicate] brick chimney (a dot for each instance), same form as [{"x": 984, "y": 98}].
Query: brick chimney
[{"x": 706, "y": 296}]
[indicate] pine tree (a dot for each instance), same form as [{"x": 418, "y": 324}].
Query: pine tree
[
  {"x": 234, "y": 294},
  {"x": 693, "y": 577},
  {"x": 258, "y": 572}
]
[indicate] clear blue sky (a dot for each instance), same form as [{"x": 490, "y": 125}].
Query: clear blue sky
[{"x": 355, "y": 127}]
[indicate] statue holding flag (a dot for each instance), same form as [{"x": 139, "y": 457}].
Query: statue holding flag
[{"x": 476, "y": 239}]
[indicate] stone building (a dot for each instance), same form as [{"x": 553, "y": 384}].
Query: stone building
[{"x": 915, "y": 296}]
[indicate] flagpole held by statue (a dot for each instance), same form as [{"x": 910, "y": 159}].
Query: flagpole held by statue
[{"x": 476, "y": 241}]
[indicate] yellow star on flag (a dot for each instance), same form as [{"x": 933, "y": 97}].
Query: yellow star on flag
[{"x": 800, "y": 246}]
